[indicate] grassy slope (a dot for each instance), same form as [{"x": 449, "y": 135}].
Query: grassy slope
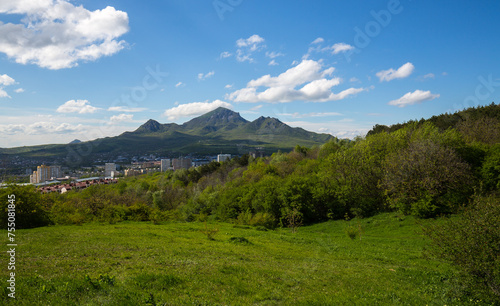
[{"x": 175, "y": 264}]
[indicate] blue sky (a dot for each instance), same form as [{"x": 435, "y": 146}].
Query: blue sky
[{"x": 89, "y": 69}]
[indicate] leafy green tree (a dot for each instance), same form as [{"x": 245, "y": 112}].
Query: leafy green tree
[
  {"x": 491, "y": 169},
  {"x": 471, "y": 241},
  {"x": 426, "y": 179},
  {"x": 31, "y": 210}
]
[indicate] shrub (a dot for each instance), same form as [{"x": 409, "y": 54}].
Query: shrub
[
  {"x": 491, "y": 169},
  {"x": 352, "y": 232},
  {"x": 29, "y": 207},
  {"x": 209, "y": 232},
  {"x": 471, "y": 241},
  {"x": 426, "y": 179},
  {"x": 293, "y": 219},
  {"x": 138, "y": 212},
  {"x": 241, "y": 240},
  {"x": 263, "y": 219}
]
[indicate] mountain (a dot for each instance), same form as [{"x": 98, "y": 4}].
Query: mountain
[{"x": 220, "y": 130}]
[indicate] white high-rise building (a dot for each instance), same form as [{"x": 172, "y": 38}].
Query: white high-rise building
[
  {"x": 223, "y": 157},
  {"x": 165, "y": 165},
  {"x": 109, "y": 169},
  {"x": 181, "y": 163},
  {"x": 55, "y": 171}
]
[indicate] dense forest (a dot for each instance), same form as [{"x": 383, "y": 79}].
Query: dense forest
[{"x": 445, "y": 165}]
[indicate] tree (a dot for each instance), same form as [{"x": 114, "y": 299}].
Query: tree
[
  {"x": 471, "y": 241},
  {"x": 30, "y": 210},
  {"x": 491, "y": 169},
  {"x": 426, "y": 179}
]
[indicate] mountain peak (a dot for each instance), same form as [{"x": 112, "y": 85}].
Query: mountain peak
[
  {"x": 217, "y": 118},
  {"x": 150, "y": 126}
]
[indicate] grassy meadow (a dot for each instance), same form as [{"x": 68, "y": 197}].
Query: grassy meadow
[{"x": 175, "y": 263}]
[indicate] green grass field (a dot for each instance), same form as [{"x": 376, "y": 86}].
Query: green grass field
[{"x": 134, "y": 263}]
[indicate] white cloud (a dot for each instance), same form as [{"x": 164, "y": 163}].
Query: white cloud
[
  {"x": 274, "y": 54},
  {"x": 120, "y": 118},
  {"x": 78, "y": 106},
  {"x": 3, "y": 93},
  {"x": 354, "y": 80},
  {"x": 418, "y": 96},
  {"x": 273, "y": 63},
  {"x": 252, "y": 42},
  {"x": 179, "y": 84},
  {"x": 194, "y": 109},
  {"x": 334, "y": 49},
  {"x": 5, "y": 79},
  {"x": 42, "y": 128},
  {"x": 391, "y": 74},
  {"x": 19, "y": 90},
  {"x": 229, "y": 86},
  {"x": 284, "y": 88},
  {"x": 225, "y": 54},
  {"x": 341, "y": 129},
  {"x": 311, "y": 115},
  {"x": 256, "y": 108},
  {"x": 126, "y": 109},
  {"x": 30, "y": 128},
  {"x": 56, "y": 34},
  {"x": 247, "y": 46},
  {"x": 318, "y": 41},
  {"x": 429, "y": 76},
  {"x": 340, "y": 47},
  {"x": 202, "y": 76}
]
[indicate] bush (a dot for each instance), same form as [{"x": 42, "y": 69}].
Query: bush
[
  {"x": 263, "y": 219},
  {"x": 491, "y": 169},
  {"x": 426, "y": 179},
  {"x": 352, "y": 232},
  {"x": 29, "y": 207},
  {"x": 471, "y": 241},
  {"x": 138, "y": 212}
]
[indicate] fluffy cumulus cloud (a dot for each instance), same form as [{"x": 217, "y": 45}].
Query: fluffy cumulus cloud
[
  {"x": 246, "y": 47},
  {"x": 416, "y": 97},
  {"x": 274, "y": 54},
  {"x": 340, "y": 47},
  {"x": 3, "y": 93},
  {"x": 126, "y": 109},
  {"x": 39, "y": 128},
  {"x": 273, "y": 63},
  {"x": 120, "y": 118},
  {"x": 344, "y": 128},
  {"x": 318, "y": 41},
  {"x": 6, "y": 80},
  {"x": 306, "y": 82},
  {"x": 225, "y": 54},
  {"x": 333, "y": 49},
  {"x": 194, "y": 109},
  {"x": 391, "y": 74},
  {"x": 55, "y": 34},
  {"x": 205, "y": 76},
  {"x": 77, "y": 106},
  {"x": 311, "y": 115}
]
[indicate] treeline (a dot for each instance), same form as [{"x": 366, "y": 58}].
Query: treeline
[{"x": 420, "y": 169}]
